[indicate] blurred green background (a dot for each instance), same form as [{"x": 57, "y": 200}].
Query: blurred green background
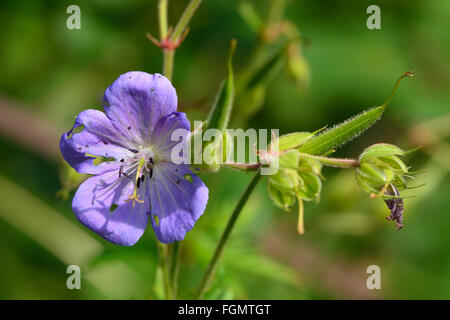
[{"x": 49, "y": 74}]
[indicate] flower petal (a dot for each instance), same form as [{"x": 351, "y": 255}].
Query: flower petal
[
  {"x": 178, "y": 198},
  {"x": 162, "y": 135},
  {"x": 136, "y": 101},
  {"x": 98, "y": 138},
  {"x": 100, "y": 205}
]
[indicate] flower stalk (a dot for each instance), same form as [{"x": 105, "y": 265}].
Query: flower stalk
[
  {"x": 208, "y": 276},
  {"x": 162, "y": 256}
]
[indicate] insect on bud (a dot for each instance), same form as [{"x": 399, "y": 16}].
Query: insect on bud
[{"x": 382, "y": 174}]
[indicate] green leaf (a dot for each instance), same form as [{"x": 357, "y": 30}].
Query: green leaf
[
  {"x": 219, "y": 115},
  {"x": 347, "y": 130}
]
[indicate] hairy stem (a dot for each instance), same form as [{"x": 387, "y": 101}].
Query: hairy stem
[
  {"x": 169, "y": 55},
  {"x": 212, "y": 266},
  {"x": 163, "y": 22},
  {"x": 162, "y": 255},
  {"x": 184, "y": 20},
  {"x": 175, "y": 267},
  {"x": 333, "y": 162}
]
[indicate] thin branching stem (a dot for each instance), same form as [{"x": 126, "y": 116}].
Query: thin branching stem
[{"x": 208, "y": 276}]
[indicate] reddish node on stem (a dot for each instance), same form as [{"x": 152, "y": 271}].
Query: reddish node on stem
[{"x": 168, "y": 43}]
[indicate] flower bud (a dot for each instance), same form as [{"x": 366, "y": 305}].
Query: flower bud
[
  {"x": 380, "y": 166},
  {"x": 69, "y": 179},
  {"x": 297, "y": 67},
  {"x": 297, "y": 178},
  {"x": 382, "y": 174}
]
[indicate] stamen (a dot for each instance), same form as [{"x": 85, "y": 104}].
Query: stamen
[
  {"x": 135, "y": 197},
  {"x": 123, "y": 173}
]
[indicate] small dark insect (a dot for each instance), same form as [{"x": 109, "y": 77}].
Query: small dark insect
[
  {"x": 134, "y": 150},
  {"x": 121, "y": 160},
  {"x": 396, "y": 207},
  {"x": 151, "y": 173},
  {"x": 142, "y": 178},
  {"x": 151, "y": 160},
  {"x": 178, "y": 181},
  {"x": 129, "y": 128},
  {"x": 105, "y": 142}
]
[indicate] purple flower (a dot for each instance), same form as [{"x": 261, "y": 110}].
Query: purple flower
[{"x": 137, "y": 180}]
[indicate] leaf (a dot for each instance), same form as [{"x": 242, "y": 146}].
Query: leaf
[
  {"x": 219, "y": 115},
  {"x": 348, "y": 130}
]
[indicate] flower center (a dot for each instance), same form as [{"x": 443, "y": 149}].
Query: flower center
[{"x": 143, "y": 161}]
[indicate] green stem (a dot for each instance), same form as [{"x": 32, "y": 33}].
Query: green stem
[
  {"x": 184, "y": 20},
  {"x": 162, "y": 253},
  {"x": 175, "y": 267},
  {"x": 163, "y": 22},
  {"x": 333, "y": 162},
  {"x": 168, "y": 63},
  {"x": 212, "y": 266},
  {"x": 406, "y": 74},
  {"x": 276, "y": 10}
]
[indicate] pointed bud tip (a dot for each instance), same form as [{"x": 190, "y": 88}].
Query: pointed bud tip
[{"x": 408, "y": 74}]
